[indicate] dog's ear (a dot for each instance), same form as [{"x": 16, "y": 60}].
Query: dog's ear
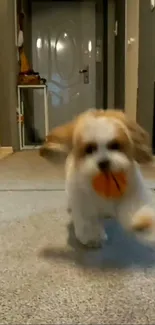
[
  {"x": 142, "y": 151},
  {"x": 141, "y": 143},
  {"x": 60, "y": 137}
]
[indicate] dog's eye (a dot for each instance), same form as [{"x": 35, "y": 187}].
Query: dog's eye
[
  {"x": 114, "y": 146},
  {"x": 90, "y": 148}
]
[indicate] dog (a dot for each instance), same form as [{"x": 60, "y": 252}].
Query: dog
[{"x": 100, "y": 141}]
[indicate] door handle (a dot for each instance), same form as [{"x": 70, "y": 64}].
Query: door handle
[
  {"x": 85, "y": 72},
  {"x": 131, "y": 40}
]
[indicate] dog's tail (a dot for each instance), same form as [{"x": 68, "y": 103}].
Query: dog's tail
[{"x": 49, "y": 147}]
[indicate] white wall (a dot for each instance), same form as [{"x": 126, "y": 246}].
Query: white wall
[{"x": 131, "y": 57}]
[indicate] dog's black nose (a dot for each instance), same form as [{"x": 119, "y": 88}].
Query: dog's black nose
[{"x": 104, "y": 165}]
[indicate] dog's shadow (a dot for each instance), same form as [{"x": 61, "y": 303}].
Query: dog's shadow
[{"x": 121, "y": 250}]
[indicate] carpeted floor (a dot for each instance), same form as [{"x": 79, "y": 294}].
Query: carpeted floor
[{"x": 45, "y": 276}]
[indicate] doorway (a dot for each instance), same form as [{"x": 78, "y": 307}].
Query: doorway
[
  {"x": 73, "y": 45},
  {"x": 119, "y": 64},
  {"x": 67, "y": 50}
]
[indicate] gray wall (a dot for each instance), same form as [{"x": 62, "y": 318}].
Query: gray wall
[
  {"x": 146, "y": 72},
  {"x": 8, "y": 126}
]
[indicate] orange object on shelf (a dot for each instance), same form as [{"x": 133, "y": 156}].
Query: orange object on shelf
[
  {"x": 20, "y": 118},
  {"x": 110, "y": 185},
  {"x": 24, "y": 64}
]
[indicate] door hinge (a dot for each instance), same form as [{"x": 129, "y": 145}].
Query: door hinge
[{"x": 116, "y": 28}]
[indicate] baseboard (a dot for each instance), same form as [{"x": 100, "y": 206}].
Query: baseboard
[{"x": 5, "y": 151}]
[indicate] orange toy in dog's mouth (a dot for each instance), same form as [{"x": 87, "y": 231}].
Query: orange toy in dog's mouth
[{"x": 110, "y": 185}]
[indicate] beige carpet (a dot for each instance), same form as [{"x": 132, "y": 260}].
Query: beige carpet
[{"x": 45, "y": 276}]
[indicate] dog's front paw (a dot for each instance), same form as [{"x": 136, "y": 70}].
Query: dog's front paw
[
  {"x": 143, "y": 224},
  {"x": 94, "y": 242}
]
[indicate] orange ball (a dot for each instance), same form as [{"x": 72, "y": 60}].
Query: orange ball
[{"x": 110, "y": 185}]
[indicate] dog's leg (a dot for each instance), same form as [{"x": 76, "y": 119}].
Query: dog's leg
[
  {"x": 136, "y": 212},
  {"x": 83, "y": 209},
  {"x": 88, "y": 228}
]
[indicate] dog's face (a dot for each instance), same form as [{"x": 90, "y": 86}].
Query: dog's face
[{"x": 103, "y": 141}]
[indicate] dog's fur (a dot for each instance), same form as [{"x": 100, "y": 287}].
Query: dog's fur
[{"x": 95, "y": 136}]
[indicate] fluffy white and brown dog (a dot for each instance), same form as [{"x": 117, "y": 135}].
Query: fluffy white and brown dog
[{"x": 100, "y": 140}]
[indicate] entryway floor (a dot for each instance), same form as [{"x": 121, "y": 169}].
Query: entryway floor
[{"x": 45, "y": 276}]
